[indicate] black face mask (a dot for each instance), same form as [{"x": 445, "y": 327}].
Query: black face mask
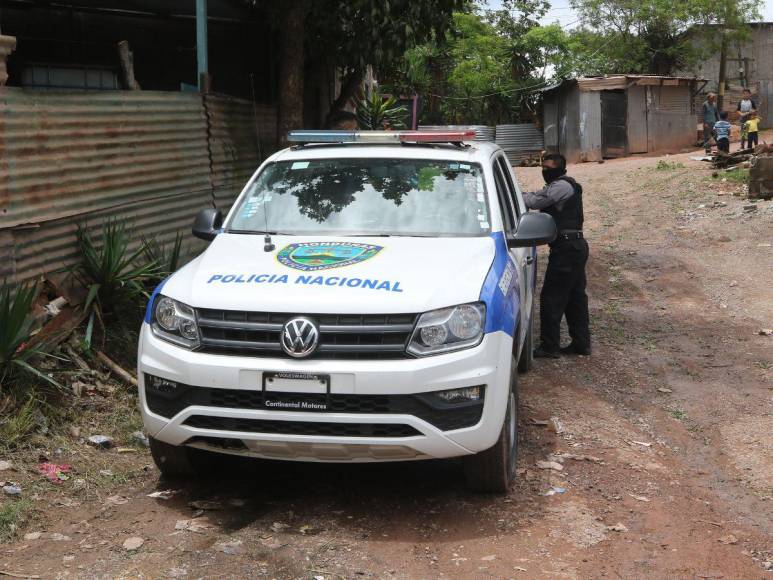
[{"x": 550, "y": 174}]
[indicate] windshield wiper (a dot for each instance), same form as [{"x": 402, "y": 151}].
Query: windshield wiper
[
  {"x": 369, "y": 235},
  {"x": 252, "y": 232}
]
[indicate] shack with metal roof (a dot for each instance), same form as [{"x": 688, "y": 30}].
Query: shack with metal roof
[{"x": 595, "y": 118}]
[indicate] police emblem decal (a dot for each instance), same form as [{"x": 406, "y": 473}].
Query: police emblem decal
[
  {"x": 300, "y": 337},
  {"x": 313, "y": 256}
]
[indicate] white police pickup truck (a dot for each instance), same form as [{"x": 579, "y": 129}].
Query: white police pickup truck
[{"x": 369, "y": 297}]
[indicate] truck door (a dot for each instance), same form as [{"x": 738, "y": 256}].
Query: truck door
[{"x": 519, "y": 256}]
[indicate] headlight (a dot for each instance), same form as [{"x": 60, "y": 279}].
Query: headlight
[
  {"x": 175, "y": 322},
  {"x": 448, "y": 329}
]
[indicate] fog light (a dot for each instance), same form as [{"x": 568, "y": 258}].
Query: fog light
[
  {"x": 160, "y": 385},
  {"x": 463, "y": 395}
]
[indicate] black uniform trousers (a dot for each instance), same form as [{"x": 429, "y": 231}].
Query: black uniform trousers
[{"x": 563, "y": 292}]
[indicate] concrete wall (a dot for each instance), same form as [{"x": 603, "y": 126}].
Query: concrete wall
[{"x": 758, "y": 50}]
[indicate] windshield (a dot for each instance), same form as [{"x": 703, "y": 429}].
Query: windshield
[{"x": 368, "y": 197}]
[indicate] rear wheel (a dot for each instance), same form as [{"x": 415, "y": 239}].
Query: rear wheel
[
  {"x": 493, "y": 470},
  {"x": 526, "y": 360}
]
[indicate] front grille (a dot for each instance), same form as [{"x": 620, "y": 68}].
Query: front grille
[
  {"x": 342, "y": 336},
  {"x": 443, "y": 416},
  {"x": 301, "y": 427}
]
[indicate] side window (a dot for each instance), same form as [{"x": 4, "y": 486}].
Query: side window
[
  {"x": 508, "y": 174},
  {"x": 503, "y": 195}
]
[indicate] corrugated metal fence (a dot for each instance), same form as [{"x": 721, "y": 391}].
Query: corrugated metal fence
[
  {"x": 520, "y": 141},
  {"x": 151, "y": 158}
]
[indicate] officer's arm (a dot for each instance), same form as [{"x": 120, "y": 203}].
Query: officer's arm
[
  {"x": 551, "y": 194},
  {"x": 539, "y": 199}
]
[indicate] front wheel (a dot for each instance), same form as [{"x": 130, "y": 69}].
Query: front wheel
[
  {"x": 493, "y": 470},
  {"x": 175, "y": 461}
]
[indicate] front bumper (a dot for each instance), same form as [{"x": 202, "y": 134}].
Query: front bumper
[{"x": 327, "y": 435}]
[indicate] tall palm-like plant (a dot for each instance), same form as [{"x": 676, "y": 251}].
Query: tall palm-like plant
[{"x": 377, "y": 112}]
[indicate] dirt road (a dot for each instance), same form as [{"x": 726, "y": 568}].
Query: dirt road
[{"x": 665, "y": 439}]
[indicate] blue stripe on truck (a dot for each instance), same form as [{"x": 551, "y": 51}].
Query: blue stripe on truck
[{"x": 500, "y": 290}]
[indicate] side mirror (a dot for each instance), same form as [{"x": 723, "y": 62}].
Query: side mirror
[
  {"x": 207, "y": 223},
  {"x": 534, "y": 229}
]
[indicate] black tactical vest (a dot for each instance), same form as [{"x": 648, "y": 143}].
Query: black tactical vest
[{"x": 570, "y": 217}]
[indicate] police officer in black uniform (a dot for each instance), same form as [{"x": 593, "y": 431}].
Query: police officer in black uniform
[{"x": 563, "y": 292}]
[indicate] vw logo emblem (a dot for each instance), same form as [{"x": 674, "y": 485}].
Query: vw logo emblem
[{"x": 300, "y": 337}]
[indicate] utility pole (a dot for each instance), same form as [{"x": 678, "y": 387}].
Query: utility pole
[
  {"x": 722, "y": 65},
  {"x": 202, "y": 57}
]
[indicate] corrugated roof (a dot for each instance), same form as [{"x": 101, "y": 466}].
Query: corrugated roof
[{"x": 613, "y": 82}]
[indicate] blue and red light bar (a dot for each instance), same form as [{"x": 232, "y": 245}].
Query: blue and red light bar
[{"x": 314, "y": 136}]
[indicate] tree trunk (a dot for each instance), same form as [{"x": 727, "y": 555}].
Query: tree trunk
[{"x": 291, "y": 65}]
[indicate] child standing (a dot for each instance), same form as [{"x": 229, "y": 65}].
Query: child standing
[
  {"x": 722, "y": 132},
  {"x": 752, "y": 126},
  {"x": 744, "y": 133}
]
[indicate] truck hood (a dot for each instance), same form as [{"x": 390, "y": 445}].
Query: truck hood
[{"x": 341, "y": 275}]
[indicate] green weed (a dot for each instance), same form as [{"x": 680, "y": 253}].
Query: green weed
[
  {"x": 678, "y": 414},
  {"x": 668, "y": 165},
  {"x": 13, "y": 514},
  {"x": 737, "y": 176},
  {"x": 19, "y": 423}
]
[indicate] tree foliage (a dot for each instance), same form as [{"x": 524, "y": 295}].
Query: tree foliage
[
  {"x": 657, "y": 36},
  {"x": 483, "y": 70}
]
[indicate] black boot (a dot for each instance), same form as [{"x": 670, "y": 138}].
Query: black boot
[
  {"x": 573, "y": 349},
  {"x": 540, "y": 352}
]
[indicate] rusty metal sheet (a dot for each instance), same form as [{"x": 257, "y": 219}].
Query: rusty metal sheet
[
  {"x": 65, "y": 154},
  {"x": 242, "y": 134},
  {"x": 50, "y": 247}
]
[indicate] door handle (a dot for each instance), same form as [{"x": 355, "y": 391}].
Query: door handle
[{"x": 529, "y": 260}]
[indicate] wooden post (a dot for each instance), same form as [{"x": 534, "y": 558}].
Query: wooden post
[
  {"x": 722, "y": 66},
  {"x": 127, "y": 66}
]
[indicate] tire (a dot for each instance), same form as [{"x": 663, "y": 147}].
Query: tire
[
  {"x": 493, "y": 470},
  {"x": 526, "y": 360},
  {"x": 172, "y": 461}
]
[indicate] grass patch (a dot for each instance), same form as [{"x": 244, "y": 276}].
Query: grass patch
[
  {"x": 735, "y": 176},
  {"x": 678, "y": 414},
  {"x": 13, "y": 514},
  {"x": 668, "y": 165},
  {"x": 19, "y": 423}
]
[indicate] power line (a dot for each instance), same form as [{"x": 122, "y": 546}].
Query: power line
[{"x": 504, "y": 92}]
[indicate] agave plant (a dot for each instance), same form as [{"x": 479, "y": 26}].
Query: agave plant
[
  {"x": 377, "y": 112},
  {"x": 113, "y": 272},
  {"x": 166, "y": 257},
  {"x": 16, "y": 325}
]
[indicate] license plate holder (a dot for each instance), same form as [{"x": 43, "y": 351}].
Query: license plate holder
[{"x": 289, "y": 391}]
